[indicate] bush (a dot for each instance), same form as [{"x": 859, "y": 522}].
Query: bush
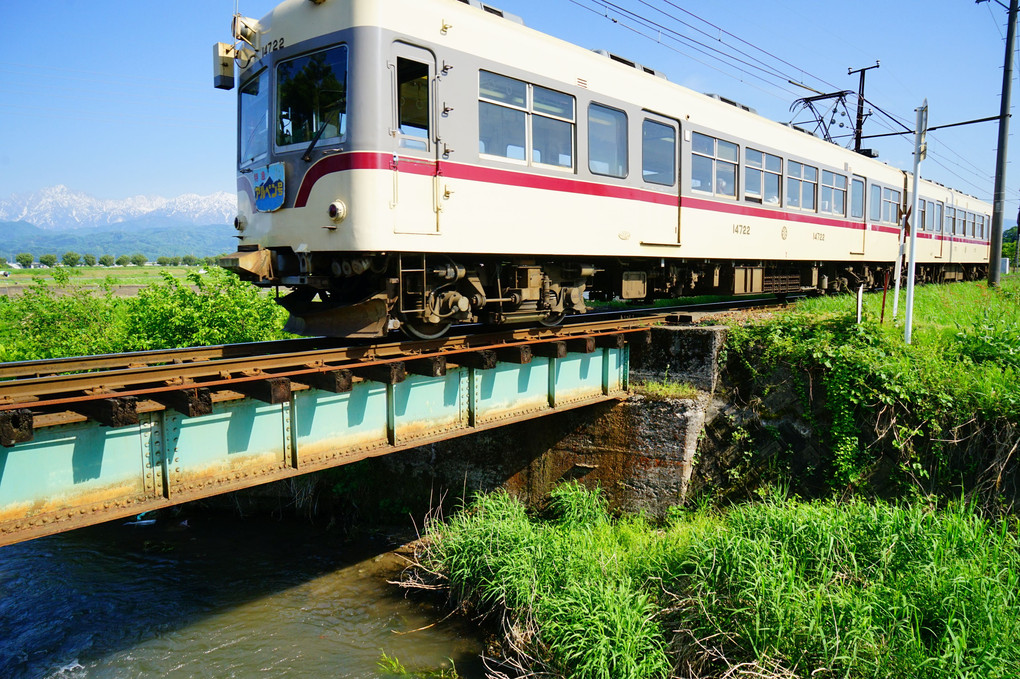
[
  {"x": 218, "y": 308},
  {"x": 42, "y": 323}
]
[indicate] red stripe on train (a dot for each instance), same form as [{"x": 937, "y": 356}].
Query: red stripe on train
[{"x": 363, "y": 160}]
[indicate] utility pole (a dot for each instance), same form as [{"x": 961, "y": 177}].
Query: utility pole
[
  {"x": 999, "y": 199},
  {"x": 860, "y": 104},
  {"x": 920, "y": 150}
]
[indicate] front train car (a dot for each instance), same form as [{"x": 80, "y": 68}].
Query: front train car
[{"x": 344, "y": 121}]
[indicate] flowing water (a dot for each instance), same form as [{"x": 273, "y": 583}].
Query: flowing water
[{"x": 216, "y": 597}]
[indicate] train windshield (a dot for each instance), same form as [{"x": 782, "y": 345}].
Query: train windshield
[
  {"x": 311, "y": 98},
  {"x": 254, "y": 141}
]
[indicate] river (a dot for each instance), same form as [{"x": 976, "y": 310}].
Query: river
[{"x": 217, "y": 597}]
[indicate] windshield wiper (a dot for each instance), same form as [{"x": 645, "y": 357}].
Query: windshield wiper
[{"x": 307, "y": 157}]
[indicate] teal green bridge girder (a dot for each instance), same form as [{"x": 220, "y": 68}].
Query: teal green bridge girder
[{"x": 73, "y": 475}]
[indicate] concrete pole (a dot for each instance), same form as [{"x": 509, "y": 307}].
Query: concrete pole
[
  {"x": 999, "y": 198},
  {"x": 915, "y": 212}
]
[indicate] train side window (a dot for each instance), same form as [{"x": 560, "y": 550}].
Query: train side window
[
  {"x": 929, "y": 217},
  {"x": 713, "y": 166},
  {"x": 607, "y": 141},
  {"x": 552, "y": 127},
  {"x": 890, "y": 206},
  {"x": 922, "y": 222},
  {"x": 413, "y": 105},
  {"x": 658, "y": 153},
  {"x": 511, "y": 112},
  {"x": 801, "y": 185},
  {"x": 502, "y": 116},
  {"x": 950, "y": 220},
  {"x": 876, "y": 203},
  {"x": 833, "y": 193},
  {"x": 938, "y": 217},
  {"x": 973, "y": 225},
  {"x": 857, "y": 198},
  {"x": 762, "y": 177}
]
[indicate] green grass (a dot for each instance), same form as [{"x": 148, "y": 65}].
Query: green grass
[
  {"x": 782, "y": 588},
  {"x": 665, "y": 390},
  {"x": 97, "y": 275}
]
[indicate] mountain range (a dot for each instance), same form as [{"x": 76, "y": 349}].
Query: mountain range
[{"x": 57, "y": 219}]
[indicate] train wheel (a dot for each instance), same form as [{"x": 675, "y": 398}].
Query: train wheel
[
  {"x": 416, "y": 328},
  {"x": 553, "y": 320}
]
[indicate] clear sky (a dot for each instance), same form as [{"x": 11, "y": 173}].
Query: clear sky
[{"x": 115, "y": 98}]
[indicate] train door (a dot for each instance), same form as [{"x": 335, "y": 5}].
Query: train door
[
  {"x": 660, "y": 160},
  {"x": 857, "y": 205},
  {"x": 415, "y": 203}
]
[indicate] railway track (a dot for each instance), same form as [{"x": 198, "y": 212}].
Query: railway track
[{"x": 113, "y": 389}]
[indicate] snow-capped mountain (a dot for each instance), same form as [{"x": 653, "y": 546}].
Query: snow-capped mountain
[{"x": 58, "y": 207}]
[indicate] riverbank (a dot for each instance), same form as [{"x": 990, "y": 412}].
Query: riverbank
[
  {"x": 890, "y": 551},
  {"x": 777, "y": 588}
]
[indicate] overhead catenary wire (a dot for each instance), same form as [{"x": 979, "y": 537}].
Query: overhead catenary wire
[
  {"x": 710, "y": 51},
  {"x": 746, "y": 62}
]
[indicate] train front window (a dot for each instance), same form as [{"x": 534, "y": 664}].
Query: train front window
[
  {"x": 311, "y": 98},
  {"x": 254, "y": 128}
]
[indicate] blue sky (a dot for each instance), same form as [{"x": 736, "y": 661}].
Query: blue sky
[{"x": 115, "y": 98}]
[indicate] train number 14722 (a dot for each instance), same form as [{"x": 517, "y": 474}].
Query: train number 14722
[{"x": 742, "y": 229}]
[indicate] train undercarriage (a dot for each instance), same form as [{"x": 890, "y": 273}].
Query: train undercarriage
[{"x": 424, "y": 294}]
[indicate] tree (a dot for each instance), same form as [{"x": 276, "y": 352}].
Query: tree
[
  {"x": 138, "y": 259},
  {"x": 163, "y": 261},
  {"x": 123, "y": 260},
  {"x": 189, "y": 260},
  {"x": 3, "y": 261},
  {"x": 48, "y": 260},
  {"x": 175, "y": 261},
  {"x": 25, "y": 259},
  {"x": 71, "y": 258},
  {"x": 106, "y": 260},
  {"x": 90, "y": 260}
]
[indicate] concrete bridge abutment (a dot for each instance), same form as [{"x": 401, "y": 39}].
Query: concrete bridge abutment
[{"x": 640, "y": 451}]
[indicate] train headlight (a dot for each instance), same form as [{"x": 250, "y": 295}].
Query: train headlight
[
  {"x": 337, "y": 211},
  {"x": 240, "y": 222}
]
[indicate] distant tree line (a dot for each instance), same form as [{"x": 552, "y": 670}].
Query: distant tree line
[{"x": 73, "y": 259}]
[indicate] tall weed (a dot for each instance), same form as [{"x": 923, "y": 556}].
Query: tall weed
[{"x": 819, "y": 589}]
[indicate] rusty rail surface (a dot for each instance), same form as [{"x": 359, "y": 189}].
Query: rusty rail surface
[{"x": 112, "y": 389}]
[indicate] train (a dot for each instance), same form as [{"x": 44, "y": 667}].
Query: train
[{"x": 415, "y": 164}]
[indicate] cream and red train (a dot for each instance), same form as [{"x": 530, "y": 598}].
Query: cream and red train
[{"x": 415, "y": 163}]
